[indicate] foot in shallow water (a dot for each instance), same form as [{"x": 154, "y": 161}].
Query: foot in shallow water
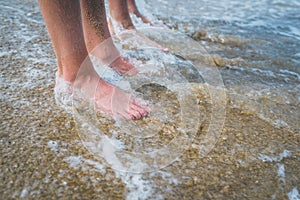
[
  {"x": 106, "y": 97},
  {"x": 151, "y": 42},
  {"x": 116, "y": 28},
  {"x": 123, "y": 66},
  {"x": 107, "y": 54},
  {"x": 132, "y": 9},
  {"x": 115, "y": 101},
  {"x": 120, "y": 20}
]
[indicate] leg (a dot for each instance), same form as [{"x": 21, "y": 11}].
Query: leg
[
  {"x": 119, "y": 12},
  {"x": 132, "y": 8},
  {"x": 62, "y": 19},
  {"x": 99, "y": 44},
  {"x": 97, "y": 37}
]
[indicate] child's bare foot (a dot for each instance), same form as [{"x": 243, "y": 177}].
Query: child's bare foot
[
  {"x": 124, "y": 66},
  {"x": 113, "y": 100},
  {"x": 151, "y": 42},
  {"x": 106, "y": 97},
  {"x": 107, "y": 54},
  {"x": 120, "y": 20}
]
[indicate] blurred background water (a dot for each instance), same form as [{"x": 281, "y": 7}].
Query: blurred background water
[
  {"x": 265, "y": 32},
  {"x": 255, "y": 44}
]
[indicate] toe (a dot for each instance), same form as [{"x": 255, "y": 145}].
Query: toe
[
  {"x": 166, "y": 50},
  {"x": 125, "y": 115},
  {"x": 142, "y": 112},
  {"x": 137, "y": 112},
  {"x": 141, "y": 104}
]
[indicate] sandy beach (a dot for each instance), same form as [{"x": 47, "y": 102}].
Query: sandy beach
[{"x": 257, "y": 155}]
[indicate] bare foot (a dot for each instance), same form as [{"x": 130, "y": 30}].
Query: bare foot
[
  {"x": 120, "y": 20},
  {"x": 106, "y": 53},
  {"x": 132, "y": 9},
  {"x": 151, "y": 42},
  {"x": 88, "y": 86},
  {"x": 142, "y": 17},
  {"x": 116, "y": 28},
  {"x": 124, "y": 66},
  {"x": 113, "y": 100}
]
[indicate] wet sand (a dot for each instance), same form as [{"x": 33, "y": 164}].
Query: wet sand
[{"x": 42, "y": 156}]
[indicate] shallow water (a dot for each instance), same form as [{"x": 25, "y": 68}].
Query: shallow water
[{"x": 255, "y": 47}]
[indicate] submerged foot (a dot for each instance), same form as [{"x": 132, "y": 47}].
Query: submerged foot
[
  {"x": 116, "y": 27},
  {"x": 151, "y": 42},
  {"x": 115, "y": 101},
  {"x": 107, "y": 54},
  {"x": 124, "y": 66},
  {"x": 106, "y": 97},
  {"x": 132, "y": 9},
  {"x": 141, "y": 17}
]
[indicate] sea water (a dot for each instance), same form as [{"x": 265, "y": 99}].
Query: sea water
[{"x": 256, "y": 45}]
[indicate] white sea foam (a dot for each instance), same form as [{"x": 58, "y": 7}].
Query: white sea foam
[
  {"x": 281, "y": 167},
  {"x": 285, "y": 71},
  {"x": 53, "y": 145},
  {"x": 284, "y": 154},
  {"x": 281, "y": 172},
  {"x": 74, "y": 161},
  {"x": 294, "y": 194},
  {"x": 139, "y": 187},
  {"x": 25, "y": 192},
  {"x": 78, "y": 162}
]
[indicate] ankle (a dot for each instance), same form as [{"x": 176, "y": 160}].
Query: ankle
[
  {"x": 66, "y": 75},
  {"x": 105, "y": 52},
  {"x": 69, "y": 78},
  {"x": 127, "y": 24}
]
